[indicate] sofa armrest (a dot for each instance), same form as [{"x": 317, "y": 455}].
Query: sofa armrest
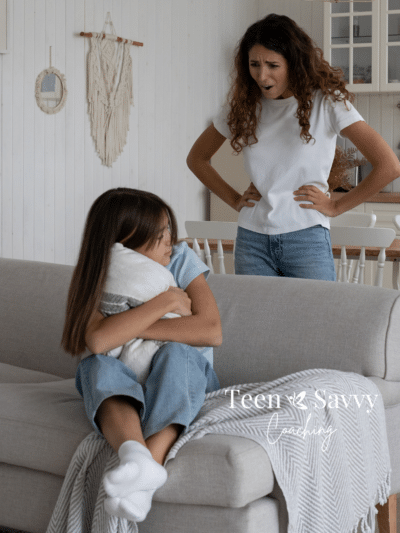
[{"x": 218, "y": 470}]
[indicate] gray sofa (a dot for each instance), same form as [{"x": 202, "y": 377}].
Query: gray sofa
[{"x": 220, "y": 484}]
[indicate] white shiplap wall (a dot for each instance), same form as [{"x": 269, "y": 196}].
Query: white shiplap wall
[
  {"x": 50, "y": 173},
  {"x": 309, "y": 15},
  {"x": 379, "y": 110}
]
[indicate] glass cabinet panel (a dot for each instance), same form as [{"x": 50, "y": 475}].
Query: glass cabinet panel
[
  {"x": 362, "y": 6},
  {"x": 341, "y": 30},
  {"x": 394, "y": 64},
  {"x": 362, "y": 29},
  {"x": 394, "y": 4},
  {"x": 341, "y": 7},
  {"x": 362, "y": 65},
  {"x": 341, "y": 58},
  {"x": 394, "y": 27}
]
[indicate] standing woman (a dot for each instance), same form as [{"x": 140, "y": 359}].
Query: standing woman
[{"x": 285, "y": 109}]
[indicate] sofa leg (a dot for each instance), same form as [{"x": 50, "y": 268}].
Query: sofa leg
[{"x": 387, "y": 515}]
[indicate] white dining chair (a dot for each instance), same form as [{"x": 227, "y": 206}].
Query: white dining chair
[
  {"x": 372, "y": 237},
  {"x": 396, "y": 221},
  {"x": 362, "y": 220},
  {"x": 206, "y": 230}
]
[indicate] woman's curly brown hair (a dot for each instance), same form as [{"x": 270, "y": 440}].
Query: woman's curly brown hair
[{"x": 307, "y": 68}]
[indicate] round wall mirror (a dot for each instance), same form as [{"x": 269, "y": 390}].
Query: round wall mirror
[{"x": 51, "y": 91}]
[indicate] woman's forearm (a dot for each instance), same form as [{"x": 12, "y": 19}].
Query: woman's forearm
[
  {"x": 386, "y": 166},
  {"x": 198, "y": 160},
  {"x": 376, "y": 180},
  {"x": 213, "y": 181}
]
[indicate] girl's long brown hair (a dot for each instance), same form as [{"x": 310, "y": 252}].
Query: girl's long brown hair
[
  {"x": 129, "y": 215},
  {"x": 307, "y": 70}
]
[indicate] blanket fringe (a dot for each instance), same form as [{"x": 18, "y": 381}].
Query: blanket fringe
[
  {"x": 384, "y": 490},
  {"x": 367, "y": 522}
]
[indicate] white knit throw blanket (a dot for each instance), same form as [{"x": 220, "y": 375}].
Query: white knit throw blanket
[
  {"x": 331, "y": 461},
  {"x": 80, "y": 505}
]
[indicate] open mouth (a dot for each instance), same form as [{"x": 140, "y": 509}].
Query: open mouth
[{"x": 267, "y": 87}]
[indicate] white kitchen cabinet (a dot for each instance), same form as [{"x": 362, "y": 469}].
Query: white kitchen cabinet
[{"x": 363, "y": 39}]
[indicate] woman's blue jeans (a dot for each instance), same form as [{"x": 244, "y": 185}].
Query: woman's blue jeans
[
  {"x": 179, "y": 378},
  {"x": 305, "y": 253}
]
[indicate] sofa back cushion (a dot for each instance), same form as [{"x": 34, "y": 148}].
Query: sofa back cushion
[
  {"x": 273, "y": 327},
  {"x": 32, "y": 310}
]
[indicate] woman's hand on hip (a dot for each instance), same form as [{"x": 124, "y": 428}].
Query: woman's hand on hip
[
  {"x": 248, "y": 198},
  {"x": 183, "y": 302},
  {"x": 320, "y": 202}
]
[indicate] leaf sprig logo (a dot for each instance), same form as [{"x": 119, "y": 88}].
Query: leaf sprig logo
[{"x": 297, "y": 401}]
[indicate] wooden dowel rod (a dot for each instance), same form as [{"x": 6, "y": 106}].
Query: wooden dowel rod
[{"x": 119, "y": 39}]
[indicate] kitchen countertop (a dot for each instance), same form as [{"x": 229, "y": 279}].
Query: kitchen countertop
[
  {"x": 381, "y": 197},
  {"x": 392, "y": 252}
]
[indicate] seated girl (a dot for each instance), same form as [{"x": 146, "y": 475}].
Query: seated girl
[{"x": 140, "y": 421}]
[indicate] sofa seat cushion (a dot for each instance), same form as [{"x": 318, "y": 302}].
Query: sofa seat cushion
[
  {"x": 220, "y": 470},
  {"x": 260, "y": 516},
  {"x": 41, "y": 424},
  {"x": 16, "y": 374}
]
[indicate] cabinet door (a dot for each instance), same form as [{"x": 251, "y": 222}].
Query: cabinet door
[
  {"x": 351, "y": 42},
  {"x": 390, "y": 45}
]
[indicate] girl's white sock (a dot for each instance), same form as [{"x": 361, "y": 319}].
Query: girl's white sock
[
  {"x": 133, "y": 507},
  {"x": 136, "y": 471},
  {"x": 131, "y": 485}
]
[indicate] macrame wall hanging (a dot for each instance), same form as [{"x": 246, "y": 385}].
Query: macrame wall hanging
[{"x": 110, "y": 93}]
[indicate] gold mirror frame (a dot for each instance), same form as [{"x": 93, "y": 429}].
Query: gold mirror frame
[{"x": 38, "y": 91}]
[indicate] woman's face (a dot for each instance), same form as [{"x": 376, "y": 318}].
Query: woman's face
[{"x": 269, "y": 70}]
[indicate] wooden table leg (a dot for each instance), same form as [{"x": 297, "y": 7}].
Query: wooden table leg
[{"x": 387, "y": 516}]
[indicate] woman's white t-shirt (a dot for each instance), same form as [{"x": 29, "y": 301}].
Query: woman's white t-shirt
[{"x": 280, "y": 162}]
